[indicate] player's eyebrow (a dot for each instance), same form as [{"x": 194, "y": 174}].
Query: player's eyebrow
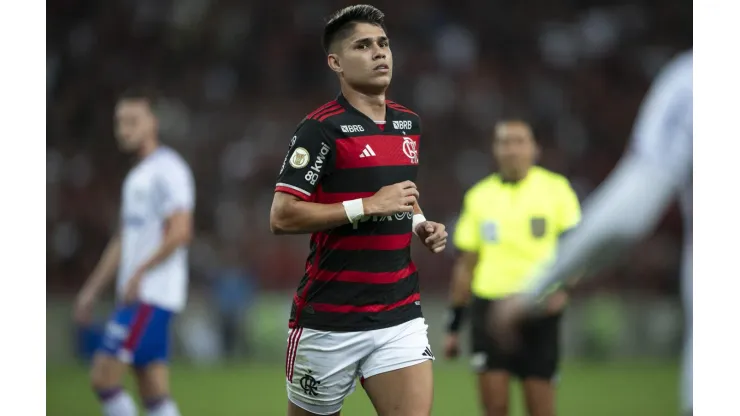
[{"x": 370, "y": 40}]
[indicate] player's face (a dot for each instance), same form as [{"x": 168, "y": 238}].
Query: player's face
[
  {"x": 514, "y": 147},
  {"x": 364, "y": 58},
  {"x": 134, "y": 123}
]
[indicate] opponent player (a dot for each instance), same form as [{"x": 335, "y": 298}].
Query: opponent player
[
  {"x": 348, "y": 179},
  {"x": 151, "y": 257},
  {"x": 657, "y": 168}
]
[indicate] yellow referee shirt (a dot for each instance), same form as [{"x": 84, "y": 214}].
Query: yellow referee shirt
[{"x": 514, "y": 228}]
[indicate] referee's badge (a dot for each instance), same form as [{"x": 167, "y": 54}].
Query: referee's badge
[
  {"x": 489, "y": 231},
  {"x": 538, "y": 226}
]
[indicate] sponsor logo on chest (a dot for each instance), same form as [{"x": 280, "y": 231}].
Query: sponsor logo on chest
[
  {"x": 386, "y": 149},
  {"x": 398, "y": 216},
  {"x": 402, "y": 124},
  {"x": 352, "y": 128}
]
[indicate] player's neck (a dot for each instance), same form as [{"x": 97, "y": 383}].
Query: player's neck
[
  {"x": 147, "y": 148},
  {"x": 371, "y": 105}
]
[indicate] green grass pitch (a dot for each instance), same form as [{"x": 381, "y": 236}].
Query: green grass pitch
[{"x": 613, "y": 389}]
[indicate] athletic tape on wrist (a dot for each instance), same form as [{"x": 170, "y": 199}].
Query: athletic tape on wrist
[
  {"x": 416, "y": 220},
  {"x": 354, "y": 209}
]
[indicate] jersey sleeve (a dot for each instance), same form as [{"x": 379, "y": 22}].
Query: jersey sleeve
[
  {"x": 663, "y": 132},
  {"x": 176, "y": 188},
  {"x": 467, "y": 230},
  {"x": 569, "y": 209},
  {"x": 309, "y": 158}
]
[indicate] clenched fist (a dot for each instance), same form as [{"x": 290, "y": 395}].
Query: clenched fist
[
  {"x": 391, "y": 199},
  {"x": 433, "y": 235}
]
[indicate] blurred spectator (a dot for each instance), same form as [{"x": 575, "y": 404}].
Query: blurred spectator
[{"x": 233, "y": 290}]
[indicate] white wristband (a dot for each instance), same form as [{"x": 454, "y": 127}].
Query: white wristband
[
  {"x": 354, "y": 209},
  {"x": 416, "y": 220}
]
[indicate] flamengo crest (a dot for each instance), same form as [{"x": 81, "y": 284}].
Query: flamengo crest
[{"x": 409, "y": 149}]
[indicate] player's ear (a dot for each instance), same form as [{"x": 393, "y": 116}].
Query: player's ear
[{"x": 333, "y": 61}]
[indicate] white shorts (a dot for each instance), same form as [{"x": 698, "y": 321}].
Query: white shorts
[{"x": 322, "y": 366}]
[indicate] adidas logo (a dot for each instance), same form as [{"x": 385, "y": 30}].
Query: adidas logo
[
  {"x": 427, "y": 352},
  {"x": 367, "y": 152}
]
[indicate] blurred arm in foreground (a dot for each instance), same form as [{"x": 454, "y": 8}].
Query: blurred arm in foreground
[{"x": 631, "y": 202}]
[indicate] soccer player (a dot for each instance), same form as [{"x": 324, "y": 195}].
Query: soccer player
[
  {"x": 510, "y": 224},
  {"x": 150, "y": 255},
  {"x": 657, "y": 168},
  {"x": 348, "y": 179}
]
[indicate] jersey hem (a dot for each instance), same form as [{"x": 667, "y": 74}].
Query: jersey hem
[{"x": 355, "y": 328}]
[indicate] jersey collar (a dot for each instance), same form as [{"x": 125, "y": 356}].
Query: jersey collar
[{"x": 351, "y": 109}]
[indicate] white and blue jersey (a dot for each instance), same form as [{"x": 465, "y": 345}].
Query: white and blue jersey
[{"x": 156, "y": 188}]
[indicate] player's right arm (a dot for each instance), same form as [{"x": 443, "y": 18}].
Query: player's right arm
[
  {"x": 291, "y": 215},
  {"x": 467, "y": 242},
  {"x": 99, "y": 279},
  {"x": 310, "y": 158}
]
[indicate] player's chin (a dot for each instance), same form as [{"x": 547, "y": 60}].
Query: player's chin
[{"x": 379, "y": 80}]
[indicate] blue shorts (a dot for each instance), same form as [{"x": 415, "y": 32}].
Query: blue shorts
[{"x": 138, "y": 334}]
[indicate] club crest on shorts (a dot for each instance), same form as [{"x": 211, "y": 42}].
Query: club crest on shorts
[
  {"x": 538, "y": 226},
  {"x": 300, "y": 158},
  {"x": 309, "y": 384}
]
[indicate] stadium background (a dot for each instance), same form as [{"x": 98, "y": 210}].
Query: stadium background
[{"x": 239, "y": 75}]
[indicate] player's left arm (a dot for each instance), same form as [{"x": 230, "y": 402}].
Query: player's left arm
[
  {"x": 177, "y": 199},
  {"x": 632, "y": 200},
  {"x": 178, "y": 233},
  {"x": 432, "y": 234}
]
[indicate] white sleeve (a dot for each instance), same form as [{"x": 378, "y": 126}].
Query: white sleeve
[
  {"x": 632, "y": 200},
  {"x": 176, "y": 188},
  {"x": 663, "y": 133}
]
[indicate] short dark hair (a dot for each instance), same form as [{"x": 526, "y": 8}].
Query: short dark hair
[
  {"x": 148, "y": 94},
  {"x": 339, "y": 24}
]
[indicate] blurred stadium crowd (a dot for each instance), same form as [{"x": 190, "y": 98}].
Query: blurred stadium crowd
[{"x": 238, "y": 76}]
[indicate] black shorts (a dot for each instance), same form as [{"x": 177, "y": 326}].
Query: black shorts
[{"x": 537, "y": 355}]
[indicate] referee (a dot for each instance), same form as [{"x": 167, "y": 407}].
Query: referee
[{"x": 510, "y": 224}]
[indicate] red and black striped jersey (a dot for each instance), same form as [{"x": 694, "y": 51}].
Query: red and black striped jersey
[{"x": 358, "y": 276}]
